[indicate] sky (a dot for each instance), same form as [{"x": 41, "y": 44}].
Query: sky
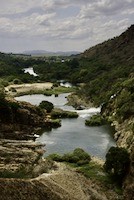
[{"x": 61, "y": 25}]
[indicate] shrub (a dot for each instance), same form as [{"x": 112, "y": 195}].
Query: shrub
[
  {"x": 16, "y": 81},
  {"x": 59, "y": 113},
  {"x": 55, "y": 123},
  {"x": 95, "y": 120},
  {"x": 78, "y": 156},
  {"x": 4, "y": 83},
  {"x": 81, "y": 154},
  {"x": 82, "y": 162},
  {"x": 13, "y": 105},
  {"x": 55, "y": 157},
  {"x": 117, "y": 163},
  {"x": 56, "y": 84},
  {"x": 70, "y": 157},
  {"x": 48, "y": 106}
]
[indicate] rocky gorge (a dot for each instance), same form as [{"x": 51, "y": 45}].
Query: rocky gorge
[
  {"x": 124, "y": 137},
  {"x": 25, "y": 174}
]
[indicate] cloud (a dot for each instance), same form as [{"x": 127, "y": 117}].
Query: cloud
[{"x": 77, "y": 23}]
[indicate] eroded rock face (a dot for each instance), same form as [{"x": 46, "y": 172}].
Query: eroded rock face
[
  {"x": 19, "y": 158},
  {"x": 124, "y": 137},
  {"x": 20, "y": 120}
]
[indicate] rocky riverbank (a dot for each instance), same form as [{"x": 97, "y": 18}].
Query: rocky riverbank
[
  {"x": 124, "y": 137},
  {"x": 20, "y": 159},
  {"x": 77, "y": 102},
  {"x": 21, "y": 120}
]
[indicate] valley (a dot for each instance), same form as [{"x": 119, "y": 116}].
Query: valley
[{"x": 102, "y": 77}]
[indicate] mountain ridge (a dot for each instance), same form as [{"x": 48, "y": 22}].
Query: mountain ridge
[{"x": 50, "y": 53}]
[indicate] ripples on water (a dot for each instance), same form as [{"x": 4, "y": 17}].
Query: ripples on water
[{"x": 73, "y": 133}]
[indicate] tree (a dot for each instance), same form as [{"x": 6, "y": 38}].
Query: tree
[
  {"x": 117, "y": 162},
  {"x": 48, "y": 106}
]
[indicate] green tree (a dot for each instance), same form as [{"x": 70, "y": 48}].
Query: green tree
[
  {"x": 117, "y": 163},
  {"x": 48, "y": 106}
]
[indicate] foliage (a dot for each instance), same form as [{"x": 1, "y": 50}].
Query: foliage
[
  {"x": 21, "y": 173},
  {"x": 78, "y": 156},
  {"x": 117, "y": 163},
  {"x": 58, "y": 90},
  {"x": 55, "y": 123},
  {"x": 95, "y": 120},
  {"x": 59, "y": 113},
  {"x": 16, "y": 81},
  {"x": 2, "y": 93},
  {"x": 48, "y": 106}
]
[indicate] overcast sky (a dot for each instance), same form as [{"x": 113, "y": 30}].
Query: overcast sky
[{"x": 61, "y": 25}]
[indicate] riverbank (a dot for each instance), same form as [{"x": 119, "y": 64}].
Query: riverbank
[
  {"x": 36, "y": 88},
  {"x": 30, "y": 88},
  {"x": 78, "y": 103}
]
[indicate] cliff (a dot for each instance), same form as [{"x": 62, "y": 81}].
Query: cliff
[
  {"x": 20, "y": 159},
  {"x": 123, "y": 122}
]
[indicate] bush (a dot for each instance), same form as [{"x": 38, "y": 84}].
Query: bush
[
  {"x": 95, "y": 120},
  {"x": 82, "y": 162},
  {"x": 55, "y": 123},
  {"x": 13, "y": 105},
  {"x": 81, "y": 154},
  {"x": 78, "y": 156},
  {"x": 70, "y": 157},
  {"x": 16, "y": 81},
  {"x": 55, "y": 157},
  {"x": 59, "y": 113},
  {"x": 48, "y": 106},
  {"x": 4, "y": 83},
  {"x": 117, "y": 163}
]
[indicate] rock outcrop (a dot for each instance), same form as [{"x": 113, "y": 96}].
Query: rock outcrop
[
  {"x": 21, "y": 158},
  {"x": 21, "y": 120}
]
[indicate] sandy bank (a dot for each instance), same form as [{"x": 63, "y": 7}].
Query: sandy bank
[{"x": 18, "y": 89}]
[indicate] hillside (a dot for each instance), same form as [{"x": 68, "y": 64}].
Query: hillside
[
  {"x": 112, "y": 86},
  {"x": 114, "y": 51},
  {"x": 106, "y": 66}
]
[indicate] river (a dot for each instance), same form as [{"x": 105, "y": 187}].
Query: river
[
  {"x": 30, "y": 71},
  {"x": 73, "y": 133}
]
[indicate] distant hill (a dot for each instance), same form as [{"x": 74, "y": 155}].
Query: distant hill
[{"x": 49, "y": 53}]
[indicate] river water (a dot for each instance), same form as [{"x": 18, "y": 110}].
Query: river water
[
  {"x": 73, "y": 133},
  {"x": 30, "y": 71}
]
